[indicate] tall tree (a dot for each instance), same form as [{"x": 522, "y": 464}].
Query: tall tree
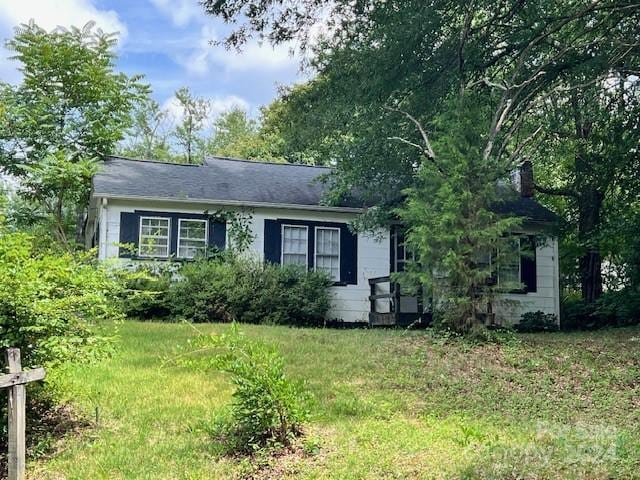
[
  {"x": 589, "y": 159},
  {"x": 194, "y": 111},
  {"x": 466, "y": 249},
  {"x": 69, "y": 110},
  {"x": 386, "y": 70},
  {"x": 236, "y": 134},
  {"x": 149, "y": 135}
]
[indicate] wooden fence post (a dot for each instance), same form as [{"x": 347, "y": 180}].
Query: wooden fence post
[
  {"x": 17, "y": 424},
  {"x": 16, "y": 382}
]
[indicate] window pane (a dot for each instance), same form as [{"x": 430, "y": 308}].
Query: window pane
[
  {"x": 509, "y": 268},
  {"x": 192, "y": 238},
  {"x": 328, "y": 251},
  {"x": 294, "y": 245},
  {"x": 154, "y": 237}
]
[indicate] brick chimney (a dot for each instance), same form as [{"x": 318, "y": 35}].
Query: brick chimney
[{"x": 526, "y": 179}]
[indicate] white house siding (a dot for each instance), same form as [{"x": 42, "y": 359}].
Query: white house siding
[
  {"x": 546, "y": 298},
  {"x": 349, "y": 303}
]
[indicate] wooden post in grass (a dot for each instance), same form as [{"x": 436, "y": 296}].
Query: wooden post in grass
[{"x": 16, "y": 382}]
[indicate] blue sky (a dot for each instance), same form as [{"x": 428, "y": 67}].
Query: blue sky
[{"x": 168, "y": 42}]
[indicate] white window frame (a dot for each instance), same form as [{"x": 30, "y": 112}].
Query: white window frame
[
  {"x": 306, "y": 250},
  {"x": 206, "y": 235},
  {"x": 519, "y": 252},
  {"x": 315, "y": 249},
  {"x": 140, "y": 254}
]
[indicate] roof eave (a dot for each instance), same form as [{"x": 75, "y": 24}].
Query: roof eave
[{"x": 231, "y": 203}]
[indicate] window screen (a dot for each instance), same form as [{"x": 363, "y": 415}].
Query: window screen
[
  {"x": 192, "y": 238},
  {"x": 328, "y": 251},
  {"x": 294, "y": 245},
  {"x": 509, "y": 267}
]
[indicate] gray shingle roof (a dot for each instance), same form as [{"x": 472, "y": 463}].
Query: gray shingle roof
[
  {"x": 526, "y": 207},
  {"x": 218, "y": 179},
  {"x": 243, "y": 181}
]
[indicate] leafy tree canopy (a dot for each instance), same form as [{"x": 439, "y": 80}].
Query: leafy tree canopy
[
  {"x": 70, "y": 108},
  {"x": 385, "y": 70}
]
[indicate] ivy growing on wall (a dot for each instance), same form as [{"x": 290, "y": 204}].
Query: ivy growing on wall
[{"x": 239, "y": 231}]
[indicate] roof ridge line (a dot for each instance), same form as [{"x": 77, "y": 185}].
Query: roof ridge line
[
  {"x": 147, "y": 160},
  {"x": 214, "y": 157},
  {"x": 246, "y": 160}
]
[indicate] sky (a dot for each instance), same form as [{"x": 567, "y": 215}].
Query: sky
[{"x": 169, "y": 42}]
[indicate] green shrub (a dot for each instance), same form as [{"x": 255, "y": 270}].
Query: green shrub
[
  {"x": 54, "y": 307},
  {"x": 576, "y": 314},
  {"x": 537, "y": 322},
  {"x": 612, "y": 309},
  {"x": 268, "y": 409},
  {"x": 146, "y": 294},
  {"x": 619, "y": 308},
  {"x": 249, "y": 291}
]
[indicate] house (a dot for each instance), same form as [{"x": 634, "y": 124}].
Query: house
[{"x": 164, "y": 210}]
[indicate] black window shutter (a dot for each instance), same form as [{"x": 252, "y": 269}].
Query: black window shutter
[
  {"x": 218, "y": 234},
  {"x": 272, "y": 241},
  {"x": 528, "y": 275},
  {"x": 348, "y": 256},
  {"x": 129, "y": 229}
]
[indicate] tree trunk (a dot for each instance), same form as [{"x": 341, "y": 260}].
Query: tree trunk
[
  {"x": 81, "y": 225},
  {"x": 590, "y": 262},
  {"x": 590, "y": 200}
]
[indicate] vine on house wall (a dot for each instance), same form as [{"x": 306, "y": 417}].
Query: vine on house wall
[{"x": 238, "y": 228}]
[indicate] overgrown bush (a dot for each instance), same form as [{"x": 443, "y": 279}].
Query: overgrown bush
[
  {"x": 54, "y": 307},
  {"x": 537, "y": 322},
  {"x": 613, "y": 309},
  {"x": 620, "y": 308},
  {"x": 268, "y": 409},
  {"x": 226, "y": 289},
  {"x": 146, "y": 291}
]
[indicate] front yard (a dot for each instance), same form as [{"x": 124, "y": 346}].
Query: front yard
[{"x": 388, "y": 404}]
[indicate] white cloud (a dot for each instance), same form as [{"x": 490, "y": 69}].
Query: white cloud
[
  {"x": 206, "y": 57},
  {"x": 201, "y": 57},
  {"x": 218, "y": 105},
  {"x": 181, "y": 12},
  {"x": 50, "y": 14},
  {"x": 224, "y": 104},
  {"x": 254, "y": 55}
]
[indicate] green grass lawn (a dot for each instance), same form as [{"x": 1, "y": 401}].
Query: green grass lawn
[{"x": 388, "y": 404}]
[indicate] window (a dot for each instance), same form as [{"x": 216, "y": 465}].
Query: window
[
  {"x": 503, "y": 265},
  {"x": 154, "y": 237},
  {"x": 294, "y": 245},
  {"x": 509, "y": 266},
  {"x": 328, "y": 251},
  {"x": 484, "y": 260},
  {"x": 192, "y": 238}
]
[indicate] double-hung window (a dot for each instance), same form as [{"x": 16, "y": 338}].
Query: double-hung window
[
  {"x": 509, "y": 266},
  {"x": 295, "y": 245},
  {"x": 154, "y": 237},
  {"x": 192, "y": 238},
  {"x": 327, "y": 257}
]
